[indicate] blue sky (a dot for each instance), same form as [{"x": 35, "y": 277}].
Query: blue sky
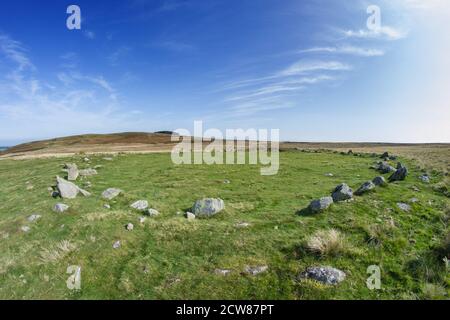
[{"x": 309, "y": 68}]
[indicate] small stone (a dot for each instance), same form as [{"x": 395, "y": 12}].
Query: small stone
[
  {"x": 60, "y": 207},
  {"x": 30, "y": 187},
  {"x": 117, "y": 244},
  {"x": 242, "y": 225},
  {"x": 222, "y": 272},
  {"x": 25, "y": 228},
  {"x": 33, "y": 217},
  {"x": 190, "y": 216},
  {"x": 226, "y": 181},
  {"x": 404, "y": 207},
  {"x": 326, "y": 275},
  {"x": 425, "y": 178},
  {"x": 255, "y": 270},
  {"x": 142, "y": 220},
  {"x": 129, "y": 227},
  {"x": 140, "y": 205},
  {"x": 106, "y": 206},
  {"x": 414, "y": 200},
  {"x": 152, "y": 213},
  {"x": 108, "y": 159},
  {"x": 329, "y": 175}
]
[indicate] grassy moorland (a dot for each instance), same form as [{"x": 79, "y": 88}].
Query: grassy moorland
[{"x": 170, "y": 257}]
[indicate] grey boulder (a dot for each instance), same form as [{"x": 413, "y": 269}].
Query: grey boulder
[
  {"x": 342, "y": 192},
  {"x": 72, "y": 171},
  {"x": 320, "y": 205},
  {"x": 379, "y": 181},
  {"x": 69, "y": 190},
  {"x": 384, "y": 167},
  {"x": 400, "y": 174},
  {"x": 365, "y": 187},
  {"x": 208, "y": 207}
]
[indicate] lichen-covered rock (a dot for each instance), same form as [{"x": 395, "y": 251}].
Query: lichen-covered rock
[
  {"x": 208, "y": 207},
  {"x": 342, "y": 192},
  {"x": 140, "y": 205}
]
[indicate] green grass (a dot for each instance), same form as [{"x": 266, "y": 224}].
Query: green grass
[{"x": 170, "y": 257}]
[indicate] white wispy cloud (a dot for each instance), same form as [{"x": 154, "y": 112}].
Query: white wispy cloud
[
  {"x": 287, "y": 86},
  {"x": 71, "y": 103},
  {"x": 302, "y": 67},
  {"x": 349, "y": 50},
  {"x": 15, "y": 52},
  {"x": 384, "y": 32}
]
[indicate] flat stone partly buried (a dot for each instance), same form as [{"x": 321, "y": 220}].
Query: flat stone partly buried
[
  {"x": 140, "y": 205},
  {"x": 404, "y": 206},
  {"x": 34, "y": 217},
  {"x": 255, "y": 270},
  {"x": 111, "y": 193},
  {"x": 208, "y": 207},
  {"x": 325, "y": 275}
]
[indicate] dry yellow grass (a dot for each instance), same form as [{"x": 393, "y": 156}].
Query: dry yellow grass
[{"x": 327, "y": 243}]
